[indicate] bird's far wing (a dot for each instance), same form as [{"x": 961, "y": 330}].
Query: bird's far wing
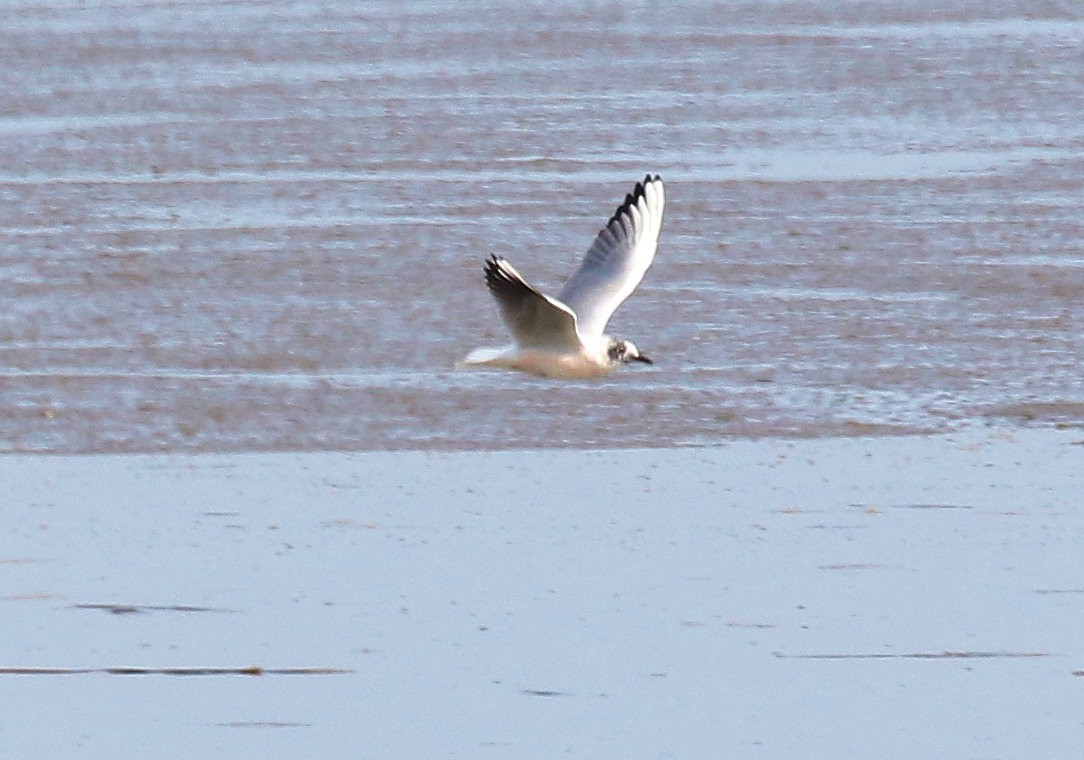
[
  {"x": 618, "y": 259},
  {"x": 535, "y": 319}
]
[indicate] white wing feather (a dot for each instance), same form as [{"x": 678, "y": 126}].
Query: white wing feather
[
  {"x": 535, "y": 319},
  {"x": 618, "y": 259}
]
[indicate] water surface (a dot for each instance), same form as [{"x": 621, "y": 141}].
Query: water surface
[{"x": 261, "y": 225}]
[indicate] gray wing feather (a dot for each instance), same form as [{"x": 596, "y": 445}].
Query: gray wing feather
[
  {"x": 535, "y": 319},
  {"x": 618, "y": 259}
]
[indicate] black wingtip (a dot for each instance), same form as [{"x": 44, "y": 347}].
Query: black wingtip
[
  {"x": 631, "y": 199},
  {"x": 493, "y": 270},
  {"x": 498, "y": 276}
]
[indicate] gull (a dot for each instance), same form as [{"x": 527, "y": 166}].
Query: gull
[{"x": 564, "y": 337}]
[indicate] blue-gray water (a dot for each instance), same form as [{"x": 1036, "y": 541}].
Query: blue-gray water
[{"x": 261, "y": 225}]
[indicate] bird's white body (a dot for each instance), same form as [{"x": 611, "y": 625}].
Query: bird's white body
[
  {"x": 564, "y": 337},
  {"x": 590, "y": 361}
]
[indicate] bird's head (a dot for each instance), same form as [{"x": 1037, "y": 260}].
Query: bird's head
[{"x": 625, "y": 351}]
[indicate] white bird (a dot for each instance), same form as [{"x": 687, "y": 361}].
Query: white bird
[{"x": 564, "y": 336}]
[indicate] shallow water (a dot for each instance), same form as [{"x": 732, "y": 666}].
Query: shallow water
[{"x": 261, "y": 225}]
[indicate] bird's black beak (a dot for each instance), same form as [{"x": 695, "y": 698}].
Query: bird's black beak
[{"x": 642, "y": 358}]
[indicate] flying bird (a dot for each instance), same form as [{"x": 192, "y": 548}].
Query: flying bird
[{"x": 564, "y": 337}]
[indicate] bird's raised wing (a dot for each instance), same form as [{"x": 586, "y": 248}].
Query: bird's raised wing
[
  {"x": 535, "y": 319},
  {"x": 618, "y": 259}
]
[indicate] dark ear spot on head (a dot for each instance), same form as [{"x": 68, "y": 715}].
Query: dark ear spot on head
[{"x": 619, "y": 351}]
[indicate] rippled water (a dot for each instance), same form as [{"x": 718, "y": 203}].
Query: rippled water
[{"x": 261, "y": 225}]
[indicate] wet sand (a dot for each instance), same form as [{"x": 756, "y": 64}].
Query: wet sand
[
  {"x": 261, "y": 226},
  {"x": 848, "y": 598}
]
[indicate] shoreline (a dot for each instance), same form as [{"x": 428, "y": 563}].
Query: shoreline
[{"x": 853, "y": 431}]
